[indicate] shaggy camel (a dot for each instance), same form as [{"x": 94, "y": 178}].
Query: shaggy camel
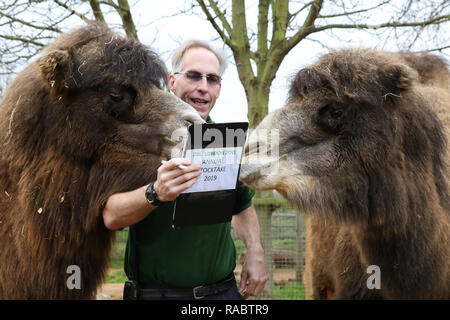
[
  {"x": 362, "y": 150},
  {"x": 88, "y": 119}
]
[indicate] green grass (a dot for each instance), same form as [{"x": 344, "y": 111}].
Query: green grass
[
  {"x": 118, "y": 276},
  {"x": 291, "y": 290}
]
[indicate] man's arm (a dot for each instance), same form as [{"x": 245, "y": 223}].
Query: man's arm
[
  {"x": 128, "y": 208},
  {"x": 254, "y": 272}
]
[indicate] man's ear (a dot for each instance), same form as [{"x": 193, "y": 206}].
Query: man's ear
[
  {"x": 56, "y": 69},
  {"x": 171, "y": 82}
]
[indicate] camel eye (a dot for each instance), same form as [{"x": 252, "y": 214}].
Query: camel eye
[
  {"x": 331, "y": 117},
  {"x": 336, "y": 113},
  {"x": 116, "y": 97},
  {"x": 330, "y": 111},
  {"x": 118, "y": 101}
]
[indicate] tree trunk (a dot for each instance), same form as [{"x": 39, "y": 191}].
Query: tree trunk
[
  {"x": 98, "y": 14},
  {"x": 258, "y": 104},
  {"x": 127, "y": 19}
]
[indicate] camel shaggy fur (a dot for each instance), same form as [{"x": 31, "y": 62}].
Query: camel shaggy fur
[
  {"x": 87, "y": 119},
  {"x": 362, "y": 150}
]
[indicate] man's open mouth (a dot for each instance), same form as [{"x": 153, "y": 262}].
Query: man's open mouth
[{"x": 199, "y": 101}]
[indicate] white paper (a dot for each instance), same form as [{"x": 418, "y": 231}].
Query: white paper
[{"x": 220, "y": 167}]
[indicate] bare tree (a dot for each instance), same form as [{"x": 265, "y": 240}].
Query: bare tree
[
  {"x": 279, "y": 25},
  {"x": 26, "y": 26}
]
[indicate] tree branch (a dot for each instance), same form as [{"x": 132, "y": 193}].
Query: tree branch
[
  {"x": 293, "y": 15},
  {"x": 438, "y": 49},
  {"x": 221, "y": 16},
  {"x": 24, "y": 40},
  {"x": 210, "y": 18},
  {"x": 111, "y": 4},
  {"x": 29, "y": 24},
  {"x": 98, "y": 14},
  {"x": 436, "y": 20},
  {"x": 306, "y": 28},
  {"x": 263, "y": 12},
  {"x": 280, "y": 18},
  {"x": 72, "y": 11},
  {"x": 127, "y": 19},
  {"x": 353, "y": 12},
  {"x": 241, "y": 45}
]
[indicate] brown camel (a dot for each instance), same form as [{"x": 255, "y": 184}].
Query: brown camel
[
  {"x": 362, "y": 149},
  {"x": 88, "y": 119}
]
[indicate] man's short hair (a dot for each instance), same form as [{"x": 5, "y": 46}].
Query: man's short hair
[{"x": 177, "y": 59}]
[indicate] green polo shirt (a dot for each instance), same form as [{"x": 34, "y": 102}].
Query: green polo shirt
[{"x": 184, "y": 257}]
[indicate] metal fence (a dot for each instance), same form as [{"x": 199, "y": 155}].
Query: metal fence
[
  {"x": 282, "y": 231},
  {"x": 283, "y": 236}
]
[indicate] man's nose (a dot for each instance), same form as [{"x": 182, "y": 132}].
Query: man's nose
[{"x": 203, "y": 85}]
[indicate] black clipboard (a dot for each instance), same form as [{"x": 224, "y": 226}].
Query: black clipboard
[{"x": 210, "y": 207}]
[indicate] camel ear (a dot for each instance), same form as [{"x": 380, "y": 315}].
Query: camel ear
[
  {"x": 397, "y": 78},
  {"x": 56, "y": 69}
]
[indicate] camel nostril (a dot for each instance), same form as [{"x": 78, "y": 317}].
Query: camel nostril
[
  {"x": 170, "y": 142},
  {"x": 246, "y": 150}
]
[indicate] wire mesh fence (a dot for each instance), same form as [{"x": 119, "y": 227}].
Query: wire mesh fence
[
  {"x": 283, "y": 237},
  {"x": 282, "y": 232}
]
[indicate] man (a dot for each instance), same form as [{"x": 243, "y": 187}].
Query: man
[{"x": 193, "y": 261}]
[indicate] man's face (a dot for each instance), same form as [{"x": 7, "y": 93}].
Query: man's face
[{"x": 199, "y": 94}]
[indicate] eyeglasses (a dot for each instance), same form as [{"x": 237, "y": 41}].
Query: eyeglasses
[{"x": 194, "y": 76}]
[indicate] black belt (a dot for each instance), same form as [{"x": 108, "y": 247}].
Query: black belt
[{"x": 198, "y": 292}]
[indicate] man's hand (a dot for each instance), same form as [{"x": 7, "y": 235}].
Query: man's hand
[
  {"x": 254, "y": 274},
  {"x": 171, "y": 180}
]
